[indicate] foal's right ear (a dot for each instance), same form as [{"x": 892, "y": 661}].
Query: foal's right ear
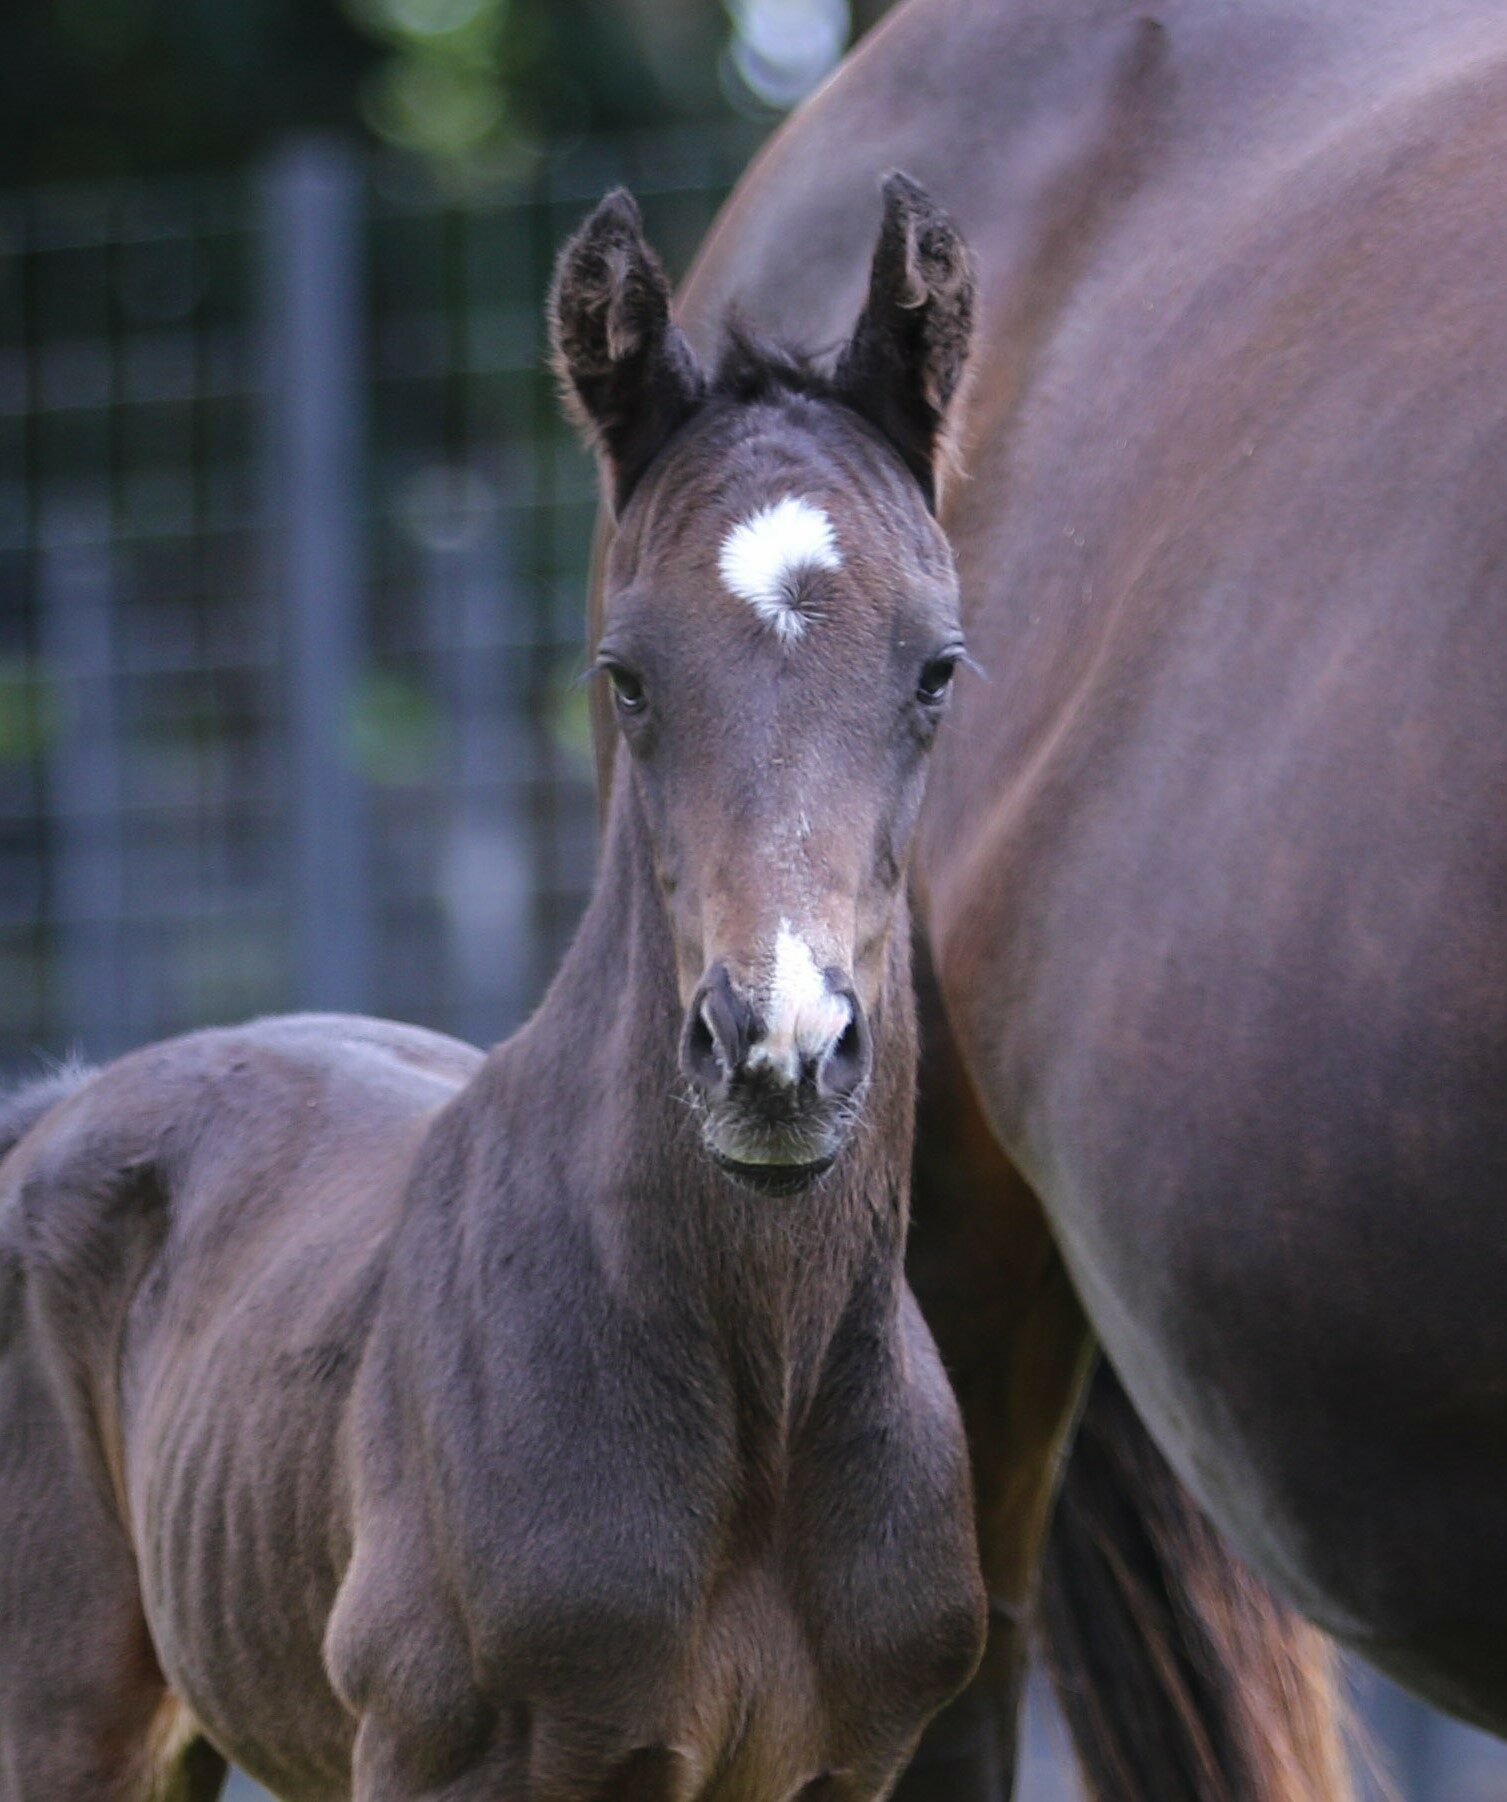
[{"x": 629, "y": 375}]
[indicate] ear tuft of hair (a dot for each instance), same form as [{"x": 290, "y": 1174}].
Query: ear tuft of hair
[
  {"x": 905, "y": 362},
  {"x": 629, "y": 375}
]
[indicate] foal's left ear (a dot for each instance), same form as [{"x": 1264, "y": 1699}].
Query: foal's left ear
[
  {"x": 629, "y": 374},
  {"x": 903, "y": 364}
]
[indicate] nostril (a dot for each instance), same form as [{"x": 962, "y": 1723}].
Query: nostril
[
  {"x": 845, "y": 1068},
  {"x": 698, "y": 1053},
  {"x": 842, "y": 1068},
  {"x": 717, "y": 1032}
]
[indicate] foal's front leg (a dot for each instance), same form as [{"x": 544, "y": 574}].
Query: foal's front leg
[{"x": 505, "y": 1771}]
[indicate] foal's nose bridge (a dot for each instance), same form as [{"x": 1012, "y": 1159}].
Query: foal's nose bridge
[{"x": 804, "y": 1026}]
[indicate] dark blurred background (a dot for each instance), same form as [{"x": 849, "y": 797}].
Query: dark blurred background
[
  {"x": 291, "y": 537},
  {"x": 292, "y": 541},
  {"x": 93, "y": 91}
]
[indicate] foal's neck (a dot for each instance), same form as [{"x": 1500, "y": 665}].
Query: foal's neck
[{"x": 766, "y": 1283}]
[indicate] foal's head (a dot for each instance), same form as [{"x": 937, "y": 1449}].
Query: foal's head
[{"x": 780, "y": 630}]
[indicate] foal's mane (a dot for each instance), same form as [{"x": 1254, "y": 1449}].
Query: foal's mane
[{"x": 752, "y": 366}]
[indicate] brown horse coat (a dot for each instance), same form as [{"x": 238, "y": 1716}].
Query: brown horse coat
[{"x": 1214, "y": 864}]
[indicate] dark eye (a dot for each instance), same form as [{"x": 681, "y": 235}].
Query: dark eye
[
  {"x": 627, "y": 690},
  {"x": 936, "y": 679}
]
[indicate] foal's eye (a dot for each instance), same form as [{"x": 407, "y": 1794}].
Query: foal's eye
[
  {"x": 936, "y": 678},
  {"x": 627, "y": 689}
]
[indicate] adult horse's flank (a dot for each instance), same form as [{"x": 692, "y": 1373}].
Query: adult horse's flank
[
  {"x": 554, "y": 1426},
  {"x": 1213, "y": 872}
]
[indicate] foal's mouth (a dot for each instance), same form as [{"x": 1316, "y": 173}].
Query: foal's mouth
[
  {"x": 776, "y": 1141},
  {"x": 774, "y": 1179}
]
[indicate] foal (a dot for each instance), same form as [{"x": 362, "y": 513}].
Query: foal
[{"x": 556, "y": 1425}]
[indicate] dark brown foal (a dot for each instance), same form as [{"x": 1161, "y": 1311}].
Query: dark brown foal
[{"x": 555, "y": 1426}]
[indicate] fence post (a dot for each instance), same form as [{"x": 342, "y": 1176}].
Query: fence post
[
  {"x": 487, "y": 881},
  {"x": 76, "y": 580},
  {"x": 316, "y": 488}
]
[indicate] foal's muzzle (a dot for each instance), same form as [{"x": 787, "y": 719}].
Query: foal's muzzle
[{"x": 780, "y": 1094}]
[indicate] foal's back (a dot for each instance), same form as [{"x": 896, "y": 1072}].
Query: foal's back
[{"x": 194, "y": 1217}]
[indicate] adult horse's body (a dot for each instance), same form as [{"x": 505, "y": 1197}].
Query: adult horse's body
[
  {"x": 1214, "y": 868},
  {"x": 555, "y": 1426}
]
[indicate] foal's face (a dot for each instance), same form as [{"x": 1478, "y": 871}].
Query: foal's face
[
  {"x": 780, "y": 634},
  {"x": 780, "y": 630}
]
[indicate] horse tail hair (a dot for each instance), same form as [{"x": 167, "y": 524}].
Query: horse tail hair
[
  {"x": 20, "y": 1111},
  {"x": 1181, "y": 1677},
  {"x": 23, "y": 1107}
]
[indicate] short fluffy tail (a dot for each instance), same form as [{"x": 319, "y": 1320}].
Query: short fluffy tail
[
  {"x": 23, "y": 1107},
  {"x": 20, "y": 1111},
  {"x": 1183, "y": 1679}
]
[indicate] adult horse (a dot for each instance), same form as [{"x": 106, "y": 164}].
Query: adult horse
[
  {"x": 1213, "y": 871},
  {"x": 418, "y": 1427}
]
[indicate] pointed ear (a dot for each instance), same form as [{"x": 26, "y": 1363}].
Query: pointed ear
[
  {"x": 629, "y": 376},
  {"x": 903, "y": 364}
]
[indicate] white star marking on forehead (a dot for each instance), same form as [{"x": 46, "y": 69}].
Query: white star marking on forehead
[{"x": 763, "y": 559}]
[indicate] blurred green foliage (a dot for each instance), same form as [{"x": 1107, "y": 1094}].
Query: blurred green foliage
[
  {"x": 28, "y": 712},
  {"x": 395, "y": 732},
  {"x": 107, "y": 87}
]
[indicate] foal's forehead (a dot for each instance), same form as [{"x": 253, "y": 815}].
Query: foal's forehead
[{"x": 780, "y": 509}]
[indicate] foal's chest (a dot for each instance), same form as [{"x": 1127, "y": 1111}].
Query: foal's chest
[
  {"x": 681, "y": 1671},
  {"x": 754, "y": 1715},
  {"x": 605, "y": 1589},
  {"x": 755, "y": 1700}
]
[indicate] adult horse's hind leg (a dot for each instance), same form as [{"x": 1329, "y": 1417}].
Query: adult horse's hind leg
[
  {"x": 1183, "y": 1679},
  {"x": 987, "y": 1275},
  {"x": 84, "y": 1713}
]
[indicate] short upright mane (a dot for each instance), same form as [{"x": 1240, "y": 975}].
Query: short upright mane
[{"x": 753, "y": 367}]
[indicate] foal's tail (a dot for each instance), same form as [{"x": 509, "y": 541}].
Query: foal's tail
[
  {"x": 20, "y": 1111},
  {"x": 23, "y": 1107},
  {"x": 1183, "y": 1679}
]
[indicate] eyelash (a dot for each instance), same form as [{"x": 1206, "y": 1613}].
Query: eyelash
[
  {"x": 627, "y": 688},
  {"x": 936, "y": 678}
]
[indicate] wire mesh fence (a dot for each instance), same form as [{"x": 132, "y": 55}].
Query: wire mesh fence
[{"x": 292, "y": 558}]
